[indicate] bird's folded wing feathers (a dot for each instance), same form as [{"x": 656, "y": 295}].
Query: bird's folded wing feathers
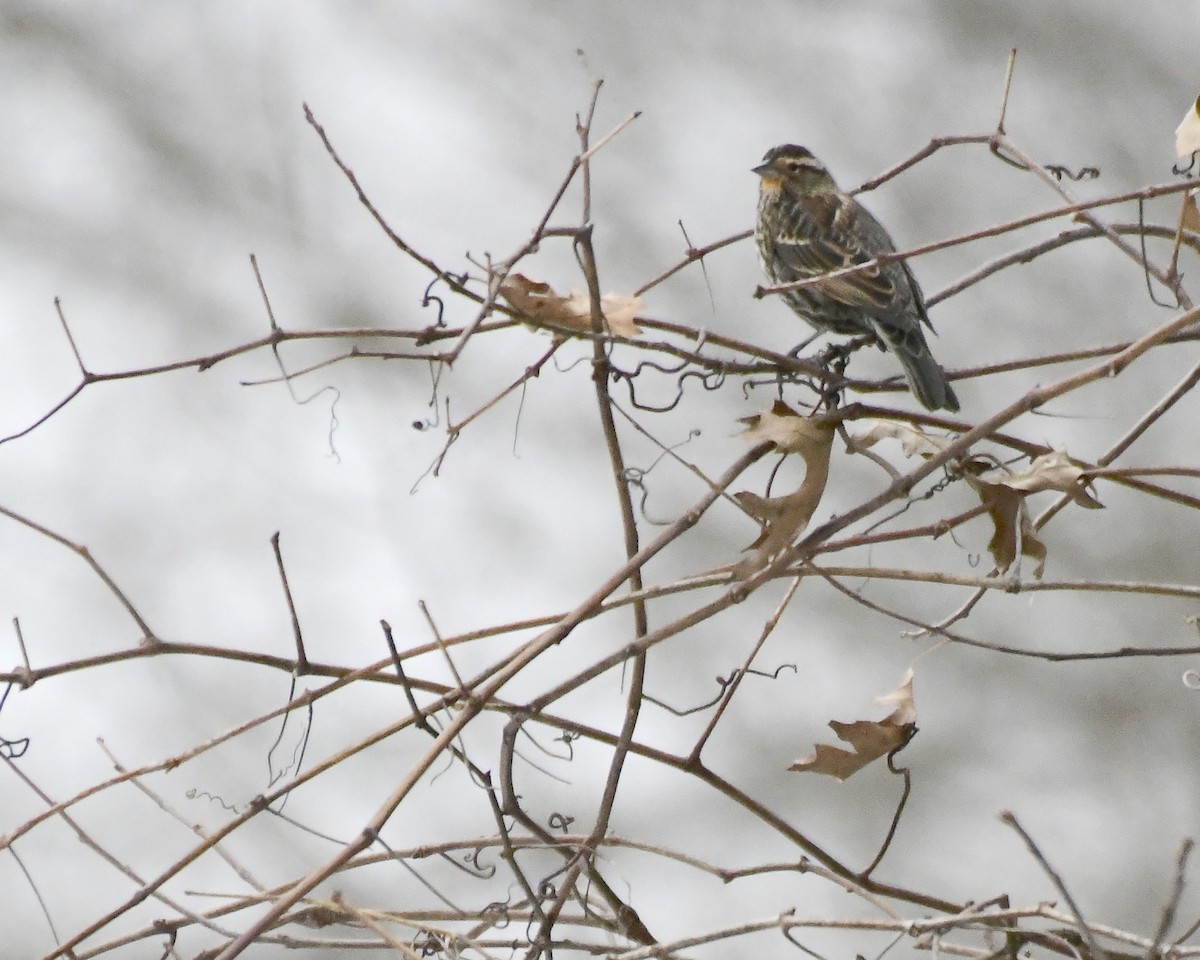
[{"x": 811, "y": 257}]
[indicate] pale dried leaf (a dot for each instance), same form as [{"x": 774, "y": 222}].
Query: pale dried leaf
[
  {"x": 1052, "y": 471},
  {"x": 871, "y": 739},
  {"x": 620, "y": 310},
  {"x": 539, "y": 303},
  {"x": 902, "y": 697},
  {"x": 790, "y": 431},
  {"x": 913, "y": 440},
  {"x": 1187, "y": 134}
]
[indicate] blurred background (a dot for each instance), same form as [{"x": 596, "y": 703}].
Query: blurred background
[{"x": 150, "y": 148}]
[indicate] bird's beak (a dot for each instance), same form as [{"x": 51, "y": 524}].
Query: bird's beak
[{"x": 765, "y": 170}]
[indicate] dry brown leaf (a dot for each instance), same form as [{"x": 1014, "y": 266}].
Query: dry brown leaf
[
  {"x": 913, "y": 440},
  {"x": 540, "y": 304},
  {"x": 871, "y": 739},
  {"x": 1010, "y": 518},
  {"x": 790, "y": 431},
  {"x": 783, "y": 518},
  {"x": 1052, "y": 471},
  {"x": 1191, "y": 216}
]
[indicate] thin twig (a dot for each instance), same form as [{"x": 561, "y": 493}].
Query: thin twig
[
  {"x": 297, "y": 635},
  {"x": 735, "y": 682},
  {"x": 1172, "y": 905},
  {"x": 1008, "y": 76},
  {"x": 1085, "y": 931}
]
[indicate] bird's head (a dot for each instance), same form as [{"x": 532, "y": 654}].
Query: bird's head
[{"x": 794, "y": 169}]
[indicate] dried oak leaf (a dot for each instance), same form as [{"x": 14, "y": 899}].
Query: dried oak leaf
[
  {"x": 1010, "y": 518},
  {"x": 790, "y": 431},
  {"x": 540, "y": 304},
  {"x": 1053, "y": 471},
  {"x": 871, "y": 739},
  {"x": 783, "y": 518},
  {"x": 913, "y": 440}
]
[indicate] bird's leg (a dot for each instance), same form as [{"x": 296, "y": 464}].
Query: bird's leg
[
  {"x": 835, "y": 358},
  {"x": 795, "y": 352}
]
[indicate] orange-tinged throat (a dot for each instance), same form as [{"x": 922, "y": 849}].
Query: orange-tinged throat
[{"x": 770, "y": 187}]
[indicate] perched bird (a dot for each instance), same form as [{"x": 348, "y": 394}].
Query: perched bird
[{"x": 808, "y": 227}]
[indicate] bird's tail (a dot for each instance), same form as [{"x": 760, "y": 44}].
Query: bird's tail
[{"x": 927, "y": 379}]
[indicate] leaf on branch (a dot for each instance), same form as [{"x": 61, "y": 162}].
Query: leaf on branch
[
  {"x": 1010, "y": 518},
  {"x": 1187, "y": 134},
  {"x": 1053, "y": 471},
  {"x": 1191, "y": 216},
  {"x": 783, "y": 518},
  {"x": 541, "y": 305},
  {"x": 913, "y": 440},
  {"x": 871, "y": 739},
  {"x": 790, "y": 431}
]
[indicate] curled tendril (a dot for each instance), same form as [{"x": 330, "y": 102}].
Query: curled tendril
[
  {"x": 787, "y": 933},
  {"x": 941, "y": 485},
  {"x": 637, "y": 474},
  {"x": 724, "y": 683},
  {"x": 547, "y": 890},
  {"x": 1061, "y": 172},
  {"x": 633, "y": 476},
  {"x": 429, "y": 297},
  {"x": 195, "y": 794},
  {"x": 776, "y": 382},
  {"x": 652, "y": 365},
  {"x": 435, "y": 377},
  {"x": 559, "y": 821},
  {"x": 578, "y": 361},
  {"x": 774, "y": 674},
  {"x": 13, "y": 749},
  {"x": 471, "y": 865},
  {"x": 568, "y": 738},
  {"x": 636, "y": 477},
  {"x": 497, "y": 914},
  {"x": 1191, "y": 165},
  {"x": 951, "y": 475},
  {"x": 709, "y": 379}
]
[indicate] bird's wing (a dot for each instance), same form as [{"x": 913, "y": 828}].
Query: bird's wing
[{"x": 809, "y": 256}]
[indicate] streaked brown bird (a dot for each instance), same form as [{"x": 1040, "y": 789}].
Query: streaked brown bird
[{"x": 807, "y": 226}]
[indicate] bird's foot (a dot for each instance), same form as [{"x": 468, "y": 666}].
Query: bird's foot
[{"x": 836, "y": 356}]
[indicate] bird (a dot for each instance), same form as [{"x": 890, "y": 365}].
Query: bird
[{"x": 808, "y": 226}]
